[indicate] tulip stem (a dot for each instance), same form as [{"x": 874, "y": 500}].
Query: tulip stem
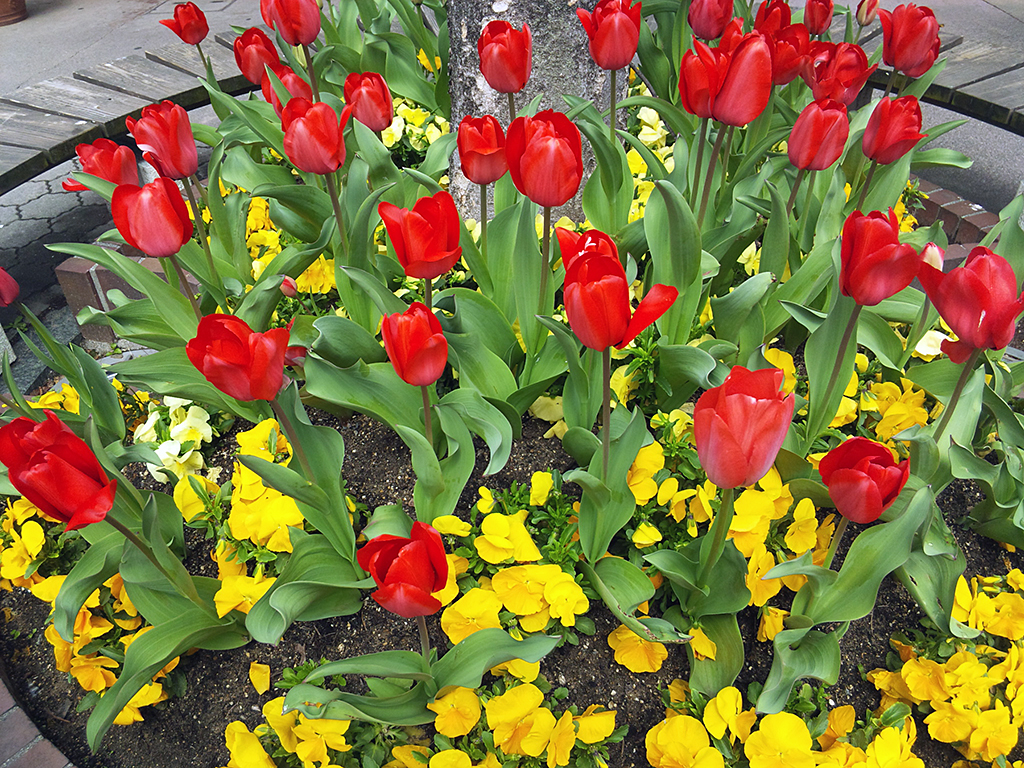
[
  {"x": 611, "y": 115},
  {"x": 710, "y": 176},
  {"x": 947, "y": 412},
  {"x": 201, "y": 226},
  {"x": 427, "y": 418},
  {"x": 427, "y": 295},
  {"x": 606, "y": 410},
  {"x": 796, "y": 188},
  {"x": 483, "y": 220},
  {"x": 851, "y": 327},
  {"x": 889, "y": 85},
  {"x": 702, "y": 138},
  {"x": 511, "y": 107},
  {"x": 867, "y": 184},
  {"x": 312, "y": 72},
  {"x": 204, "y": 60},
  {"x": 421, "y": 622},
  {"x": 184, "y": 286},
  {"x": 807, "y": 201},
  {"x": 836, "y": 538},
  {"x": 545, "y": 262},
  {"x": 917, "y": 331},
  {"x": 332, "y": 190},
  {"x": 719, "y": 530},
  {"x": 289, "y": 429}
]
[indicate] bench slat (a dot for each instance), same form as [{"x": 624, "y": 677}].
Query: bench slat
[
  {"x": 54, "y": 134},
  {"x": 185, "y": 59},
  {"x": 145, "y": 79},
  {"x": 79, "y": 100},
  {"x": 978, "y": 60},
  {"x": 1006, "y": 89},
  {"x": 18, "y": 165}
]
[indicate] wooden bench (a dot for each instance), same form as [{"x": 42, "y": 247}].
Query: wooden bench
[{"x": 41, "y": 124}]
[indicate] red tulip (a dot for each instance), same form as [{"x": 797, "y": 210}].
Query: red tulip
[
  {"x": 545, "y": 157},
  {"x": 107, "y": 160},
  {"x": 370, "y": 99},
  {"x": 893, "y": 129},
  {"x": 819, "y": 135},
  {"x": 837, "y": 71},
  {"x": 701, "y": 74},
  {"x": 978, "y": 300},
  {"x": 506, "y": 56},
  {"x": 862, "y": 478},
  {"x": 189, "y": 23},
  {"x": 732, "y": 36},
  {"x": 867, "y": 10},
  {"x": 297, "y": 21},
  {"x": 818, "y": 16},
  {"x": 9, "y": 289},
  {"x": 591, "y": 242},
  {"x": 292, "y": 82},
  {"x": 739, "y": 427},
  {"x": 613, "y": 30},
  {"x": 482, "y": 149},
  {"x": 910, "y": 38},
  {"x": 55, "y": 470},
  {"x": 254, "y": 52},
  {"x": 415, "y": 345},
  {"x": 772, "y": 16},
  {"x": 237, "y": 360},
  {"x": 707, "y": 18},
  {"x": 407, "y": 570},
  {"x": 164, "y": 135},
  {"x": 597, "y": 297},
  {"x": 425, "y": 239},
  {"x": 875, "y": 265},
  {"x": 313, "y": 136},
  {"x": 152, "y": 218},
  {"x": 748, "y": 83},
  {"x": 791, "y": 48}
]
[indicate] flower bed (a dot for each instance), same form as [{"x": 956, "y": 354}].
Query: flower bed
[{"x": 727, "y": 362}]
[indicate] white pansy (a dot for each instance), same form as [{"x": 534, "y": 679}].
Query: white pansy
[
  {"x": 146, "y": 432},
  {"x": 173, "y": 466},
  {"x": 194, "y": 426}
]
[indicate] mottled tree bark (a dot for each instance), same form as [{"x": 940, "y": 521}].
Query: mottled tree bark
[{"x": 561, "y": 64}]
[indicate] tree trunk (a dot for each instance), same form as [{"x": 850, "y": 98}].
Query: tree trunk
[{"x": 561, "y": 64}]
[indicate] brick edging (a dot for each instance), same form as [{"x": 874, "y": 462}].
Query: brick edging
[
  {"x": 21, "y": 744},
  {"x": 965, "y": 223}
]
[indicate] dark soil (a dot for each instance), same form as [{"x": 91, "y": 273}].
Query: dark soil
[{"x": 188, "y": 731}]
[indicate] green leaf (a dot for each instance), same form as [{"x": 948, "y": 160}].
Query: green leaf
[
  {"x": 829, "y": 359},
  {"x": 709, "y": 676},
  {"x": 877, "y": 335},
  {"x": 730, "y": 594},
  {"x": 373, "y": 389},
  {"x": 404, "y": 665},
  {"x": 798, "y": 653},
  {"x": 439, "y": 484},
  {"x": 485, "y": 420},
  {"x": 299, "y": 209},
  {"x": 409, "y": 708},
  {"x": 775, "y": 247},
  {"x": 98, "y": 563},
  {"x": 287, "y": 481},
  {"x": 316, "y": 583},
  {"x": 464, "y": 664},
  {"x": 674, "y": 241},
  {"x": 343, "y": 343}
]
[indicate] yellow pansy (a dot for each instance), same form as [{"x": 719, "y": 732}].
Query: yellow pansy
[
  {"x": 1008, "y": 621},
  {"x": 847, "y": 413},
  {"x": 681, "y": 741},
  {"x": 751, "y": 521},
  {"x": 241, "y": 593},
  {"x": 781, "y": 359},
  {"x": 750, "y": 259},
  {"x": 781, "y": 740},
  {"x": 457, "y": 710},
  {"x": 259, "y": 676},
  {"x": 802, "y": 533},
  {"x": 635, "y": 653},
  {"x": 318, "y": 277},
  {"x": 504, "y": 537},
  {"x": 646, "y": 535},
  {"x": 640, "y": 477},
  {"x": 840, "y": 722},
  {"x": 541, "y": 484},
  {"x": 703, "y": 646},
  {"x": 245, "y": 748},
  {"x": 891, "y": 747},
  {"x": 450, "y": 758},
  {"x": 264, "y": 440},
  {"x": 188, "y": 501},
  {"x": 595, "y": 724},
  {"x": 144, "y": 697},
  {"x": 457, "y": 565},
  {"x": 283, "y": 723},
  {"x": 63, "y": 651},
  {"x": 316, "y": 736},
  {"x": 509, "y": 716},
  {"x": 950, "y": 723},
  {"x": 565, "y": 598},
  {"x": 926, "y": 680},
  {"x": 476, "y": 610},
  {"x": 623, "y": 384},
  {"x": 486, "y": 502},
  {"x": 681, "y": 421},
  {"x": 25, "y": 548},
  {"x": 771, "y": 623},
  {"x": 409, "y": 755},
  {"x": 93, "y": 672},
  {"x": 561, "y": 741},
  {"x": 450, "y": 525},
  {"x": 725, "y": 712}
]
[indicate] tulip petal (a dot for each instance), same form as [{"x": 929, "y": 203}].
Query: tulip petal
[
  {"x": 856, "y": 497},
  {"x": 654, "y": 305},
  {"x": 406, "y": 600}
]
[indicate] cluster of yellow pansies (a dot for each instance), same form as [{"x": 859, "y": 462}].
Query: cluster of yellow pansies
[
  {"x": 414, "y": 124},
  {"x": 976, "y": 695},
  {"x": 689, "y": 737},
  {"x": 309, "y": 740}
]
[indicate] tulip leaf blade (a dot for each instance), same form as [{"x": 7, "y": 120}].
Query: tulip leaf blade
[
  {"x": 484, "y": 419},
  {"x": 405, "y": 665},
  {"x": 799, "y": 653},
  {"x": 98, "y": 563},
  {"x": 464, "y": 664},
  {"x": 932, "y": 583},
  {"x": 343, "y": 342},
  {"x": 775, "y": 245},
  {"x": 409, "y": 708},
  {"x": 709, "y": 676},
  {"x": 370, "y": 388},
  {"x": 877, "y": 335},
  {"x": 316, "y": 583},
  {"x": 674, "y": 241}
]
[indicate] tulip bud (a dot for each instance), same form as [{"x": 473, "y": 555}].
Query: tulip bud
[
  {"x": 9, "y": 289},
  {"x": 189, "y": 23},
  {"x": 152, "y": 218},
  {"x": 289, "y": 287},
  {"x": 867, "y": 10},
  {"x": 707, "y": 18},
  {"x": 297, "y": 21},
  {"x": 893, "y": 129},
  {"x": 406, "y": 570},
  {"x": 791, "y": 49},
  {"x": 910, "y": 38},
  {"x": 837, "y": 71},
  {"x": 254, "y": 52},
  {"x": 818, "y": 16},
  {"x": 314, "y": 136},
  {"x": 164, "y": 134},
  {"x": 773, "y": 16},
  {"x": 238, "y": 361},
  {"x": 700, "y": 77},
  {"x": 747, "y": 84},
  {"x": 874, "y": 263},
  {"x": 545, "y": 159},
  {"x": 370, "y": 99},
  {"x": 862, "y": 478},
  {"x": 481, "y": 145},
  {"x": 106, "y": 160},
  {"x": 933, "y": 255},
  {"x": 819, "y": 135},
  {"x": 415, "y": 345},
  {"x": 613, "y": 30},
  {"x": 506, "y": 56}
]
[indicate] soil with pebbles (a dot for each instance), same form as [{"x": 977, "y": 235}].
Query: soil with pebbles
[{"x": 188, "y": 731}]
